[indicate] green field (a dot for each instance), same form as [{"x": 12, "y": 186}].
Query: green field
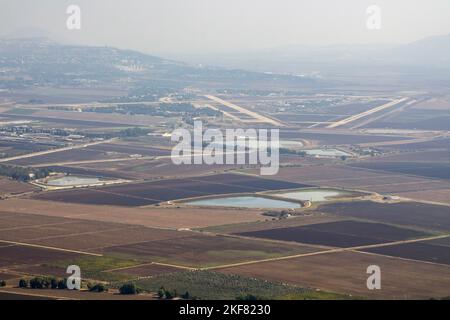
[{"x": 215, "y": 285}]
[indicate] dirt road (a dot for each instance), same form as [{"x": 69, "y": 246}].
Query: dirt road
[
  {"x": 328, "y": 251},
  {"x": 50, "y": 248},
  {"x": 41, "y": 153}
]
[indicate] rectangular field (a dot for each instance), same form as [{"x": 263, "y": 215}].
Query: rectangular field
[
  {"x": 65, "y": 156},
  {"x": 204, "y": 251},
  {"x": 352, "y": 177},
  {"x": 148, "y": 270},
  {"x": 414, "y": 214},
  {"x": 13, "y": 255},
  {"x": 8, "y": 186},
  {"x": 438, "y": 170},
  {"x": 345, "y": 272},
  {"x": 16, "y": 147},
  {"x": 338, "y": 234},
  {"x": 320, "y": 138},
  {"x": 130, "y": 149},
  {"x": 150, "y": 169},
  {"x": 429, "y": 251},
  {"x": 158, "y": 217},
  {"x": 75, "y": 234},
  {"x": 96, "y": 240}
]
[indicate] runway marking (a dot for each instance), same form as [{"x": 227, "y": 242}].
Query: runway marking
[
  {"x": 254, "y": 115},
  {"x": 366, "y": 113}
]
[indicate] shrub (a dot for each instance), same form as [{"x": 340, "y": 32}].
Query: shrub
[
  {"x": 161, "y": 293},
  {"x": 248, "y": 297},
  {"x": 53, "y": 283},
  {"x": 169, "y": 295},
  {"x": 36, "y": 283},
  {"x": 23, "y": 283},
  {"x": 2, "y": 283},
  {"x": 62, "y": 284},
  {"x": 129, "y": 288},
  {"x": 99, "y": 287},
  {"x": 39, "y": 283}
]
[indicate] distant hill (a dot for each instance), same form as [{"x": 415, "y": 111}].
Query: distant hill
[
  {"x": 31, "y": 61},
  {"x": 297, "y": 59},
  {"x": 432, "y": 51}
]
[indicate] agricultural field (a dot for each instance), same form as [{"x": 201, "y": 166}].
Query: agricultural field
[
  {"x": 431, "y": 170},
  {"x": 146, "y": 169},
  {"x": 430, "y": 251},
  {"x": 11, "y": 148},
  {"x": 412, "y": 214},
  {"x": 420, "y": 119},
  {"x": 61, "y": 157},
  {"x": 11, "y": 187},
  {"x": 25, "y": 212},
  {"x": 64, "y": 122},
  {"x": 267, "y": 224},
  {"x": 353, "y": 177},
  {"x": 148, "y": 270},
  {"x": 130, "y": 149},
  {"x": 205, "y": 251},
  {"x": 338, "y": 234},
  {"x": 13, "y": 255},
  {"x": 148, "y": 193},
  {"x": 321, "y": 138},
  {"x": 213, "y": 285},
  {"x": 103, "y": 172},
  {"x": 346, "y": 272},
  {"x": 97, "y": 240}
]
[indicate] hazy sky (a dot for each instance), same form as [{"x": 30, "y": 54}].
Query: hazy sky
[{"x": 208, "y": 26}]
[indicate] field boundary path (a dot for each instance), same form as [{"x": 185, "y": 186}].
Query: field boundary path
[
  {"x": 50, "y": 248},
  {"x": 41, "y": 153},
  {"x": 356, "y": 248}
]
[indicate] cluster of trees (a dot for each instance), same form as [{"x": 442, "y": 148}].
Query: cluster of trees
[
  {"x": 43, "y": 283},
  {"x": 55, "y": 283},
  {"x": 125, "y": 133},
  {"x": 23, "y": 173},
  {"x": 150, "y": 91},
  {"x": 129, "y": 132},
  {"x": 129, "y": 288},
  {"x": 277, "y": 214},
  {"x": 170, "y": 294},
  {"x": 293, "y": 152},
  {"x": 98, "y": 287},
  {"x": 250, "y": 297},
  {"x": 27, "y": 129},
  {"x": 162, "y": 109}
]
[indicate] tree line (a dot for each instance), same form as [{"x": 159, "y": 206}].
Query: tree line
[{"x": 23, "y": 173}]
